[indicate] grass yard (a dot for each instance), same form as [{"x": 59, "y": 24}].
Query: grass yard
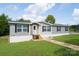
[
  {"x": 73, "y": 39},
  {"x": 33, "y": 48}
]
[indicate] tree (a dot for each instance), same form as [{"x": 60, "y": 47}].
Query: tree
[
  {"x": 4, "y": 26},
  {"x": 50, "y": 19},
  {"x": 22, "y": 20},
  {"x": 74, "y": 28}
]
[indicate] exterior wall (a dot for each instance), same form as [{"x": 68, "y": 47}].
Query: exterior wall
[
  {"x": 20, "y": 38},
  {"x": 59, "y": 33},
  {"x": 24, "y": 36},
  {"x": 53, "y": 31},
  {"x": 13, "y": 33},
  {"x": 43, "y": 33},
  {"x": 12, "y": 30},
  {"x": 37, "y": 29}
]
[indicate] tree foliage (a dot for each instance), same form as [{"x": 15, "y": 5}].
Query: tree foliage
[
  {"x": 74, "y": 28},
  {"x": 50, "y": 19},
  {"x": 4, "y": 27},
  {"x": 22, "y": 20}
]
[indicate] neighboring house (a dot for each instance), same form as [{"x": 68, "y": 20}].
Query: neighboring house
[{"x": 23, "y": 31}]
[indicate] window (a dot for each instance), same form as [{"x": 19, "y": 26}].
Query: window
[
  {"x": 43, "y": 28},
  {"x": 22, "y": 28},
  {"x": 19, "y": 28},
  {"x": 58, "y": 28},
  {"x": 25, "y": 28},
  {"x": 66, "y": 28},
  {"x": 48, "y": 28}
]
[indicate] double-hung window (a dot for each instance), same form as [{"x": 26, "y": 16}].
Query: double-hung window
[
  {"x": 19, "y": 28},
  {"x": 58, "y": 28},
  {"x": 22, "y": 28},
  {"x": 25, "y": 28},
  {"x": 66, "y": 28},
  {"x": 48, "y": 28},
  {"x": 43, "y": 28}
]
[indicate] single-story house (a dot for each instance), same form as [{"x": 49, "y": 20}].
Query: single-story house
[{"x": 24, "y": 31}]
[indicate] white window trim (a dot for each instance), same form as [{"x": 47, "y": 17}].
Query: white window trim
[
  {"x": 19, "y": 28},
  {"x": 22, "y": 27},
  {"x": 46, "y": 27},
  {"x": 58, "y": 28}
]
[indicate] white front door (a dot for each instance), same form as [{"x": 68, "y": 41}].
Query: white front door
[{"x": 34, "y": 29}]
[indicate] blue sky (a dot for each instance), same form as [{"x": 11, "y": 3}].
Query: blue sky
[{"x": 63, "y": 12}]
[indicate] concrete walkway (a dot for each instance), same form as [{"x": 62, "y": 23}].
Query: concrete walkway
[{"x": 74, "y": 47}]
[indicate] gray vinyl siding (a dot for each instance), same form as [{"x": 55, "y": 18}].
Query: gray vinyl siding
[
  {"x": 53, "y": 29},
  {"x": 39, "y": 30},
  {"x": 46, "y": 32},
  {"x": 13, "y": 33},
  {"x": 12, "y": 29}
]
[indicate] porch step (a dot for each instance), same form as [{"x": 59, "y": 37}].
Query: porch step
[
  {"x": 35, "y": 36},
  {"x": 38, "y": 37}
]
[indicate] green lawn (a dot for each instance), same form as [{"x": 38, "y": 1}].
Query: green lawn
[
  {"x": 73, "y": 39},
  {"x": 33, "y": 48}
]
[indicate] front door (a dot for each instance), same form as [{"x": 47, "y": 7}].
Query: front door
[{"x": 34, "y": 29}]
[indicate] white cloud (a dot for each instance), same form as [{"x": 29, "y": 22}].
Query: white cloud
[
  {"x": 75, "y": 15},
  {"x": 76, "y": 12},
  {"x": 39, "y": 8},
  {"x": 33, "y": 18},
  {"x": 34, "y": 11}
]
